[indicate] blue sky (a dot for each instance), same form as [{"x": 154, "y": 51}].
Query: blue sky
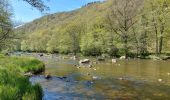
[{"x": 25, "y": 13}]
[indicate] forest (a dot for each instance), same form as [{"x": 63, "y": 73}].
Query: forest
[{"x": 111, "y": 27}]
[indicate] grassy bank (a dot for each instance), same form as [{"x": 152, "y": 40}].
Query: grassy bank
[{"x": 15, "y": 86}]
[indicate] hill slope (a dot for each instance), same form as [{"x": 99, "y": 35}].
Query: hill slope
[
  {"x": 50, "y": 25},
  {"x": 114, "y": 27},
  {"x": 89, "y": 12}
]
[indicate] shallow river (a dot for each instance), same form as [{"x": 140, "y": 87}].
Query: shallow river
[{"x": 124, "y": 80}]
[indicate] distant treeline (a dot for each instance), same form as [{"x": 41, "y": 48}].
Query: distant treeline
[{"x": 114, "y": 27}]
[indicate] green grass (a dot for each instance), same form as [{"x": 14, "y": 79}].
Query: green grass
[
  {"x": 15, "y": 86},
  {"x": 23, "y": 64}
]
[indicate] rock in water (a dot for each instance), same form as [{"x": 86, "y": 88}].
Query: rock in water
[
  {"x": 95, "y": 77},
  {"x": 123, "y": 57},
  {"x": 121, "y": 78},
  {"x": 90, "y": 66},
  {"x": 28, "y": 74},
  {"x": 74, "y": 57},
  {"x": 41, "y": 55},
  {"x": 7, "y": 54},
  {"x": 159, "y": 80},
  {"x": 114, "y": 60},
  {"x": 47, "y": 76},
  {"x": 85, "y": 61}
]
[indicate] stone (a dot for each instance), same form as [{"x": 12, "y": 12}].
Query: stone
[
  {"x": 84, "y": 61},
  {"x": 47, "y": 76},
  {"x": 159, "y": 80},
  {"x": 41, "y": 55},
  {"x": 114, "y": 60},
  {"x": 95, "y": 77},
  {"x": 28, "y": 74},
  {"x": 74, "y": 57},
  {"x": 123, "y": 57}
]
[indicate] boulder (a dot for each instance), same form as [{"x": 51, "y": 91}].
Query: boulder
[
  {"x": 41, "y": 55},
  {"x": 165, "y": 57},
  {"x": 74, "y": 58},
  {"x": 28, "y": 74},
  {"x": 7, "y": 54},
  {"x": 155, "y": 57},
  {"x": 160, "y": 80},
  {"x": 47, "y": 76},
  {"x": 114, "y": 60},
  {"x": 84, "y": 61},
  {"x": 62, "y": 78},
  {"x": 123, "y": 57}
]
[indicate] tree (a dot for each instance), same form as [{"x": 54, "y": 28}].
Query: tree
[
  {"x": 159, "y": 18},
  {"x": 39, "y": 4},
  {"x": 6, "y": 33},
  {"x": 74, "y": 31},
  {"x": 163, "y": 19},
  {"x": 5, "y": 24},
  {"x": 122, "y": 18},
  {"x": 92, "y": 43}
]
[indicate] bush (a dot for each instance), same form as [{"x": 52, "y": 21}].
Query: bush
[
  {"x": 113, "y": 52},
  {"x": 91, "y": 51}
]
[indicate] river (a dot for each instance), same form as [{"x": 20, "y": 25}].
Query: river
[{"x": 133, "y": 79}]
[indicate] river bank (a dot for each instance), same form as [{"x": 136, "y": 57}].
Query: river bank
[
  {"x": 13, "y": 84},
  {"x": 150, "y": 56}
]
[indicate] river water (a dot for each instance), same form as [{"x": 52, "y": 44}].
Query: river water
[{"x": 133, "y": 79}]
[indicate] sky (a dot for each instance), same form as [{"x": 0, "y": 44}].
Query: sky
[{"x": 25, "y": 13}]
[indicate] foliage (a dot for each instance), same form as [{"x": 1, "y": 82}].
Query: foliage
[
  {"x": 114, "y": 27},
  {"x": 5, "y": 24},
  {"x": 39, "y": 4}
]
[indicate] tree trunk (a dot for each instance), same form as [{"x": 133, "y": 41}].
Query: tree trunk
[
  {"x": 156, "y": 31},
  {"x": 161, "y": 38},
  {"x": 160, "y": 44},
  {"x": 136, "y": 42},
  {"x": 156, "y": 36},
  {"x": 125, "y": 39}
]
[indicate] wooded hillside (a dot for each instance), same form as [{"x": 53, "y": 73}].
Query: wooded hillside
[{"x": 113, "y": 27}]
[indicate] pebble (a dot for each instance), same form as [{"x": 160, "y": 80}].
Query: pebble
[
  {"x": 78, "y": 67},
  {"x": 94, "y": 77},
  {"x": 159, "y": 80},
  {"x": 121, "y": 78}
]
